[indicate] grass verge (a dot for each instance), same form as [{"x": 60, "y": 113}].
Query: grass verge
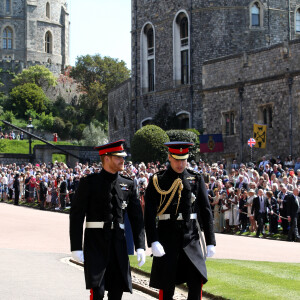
[
  {"x": 243, "y": 280},
  {"x": 22, "y": 147}
]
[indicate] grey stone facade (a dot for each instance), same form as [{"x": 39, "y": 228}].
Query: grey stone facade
[
  {"x": 217, "y": 29},
  {"x": 28, "y": 22},
  {"x": 269, "y": 78}
]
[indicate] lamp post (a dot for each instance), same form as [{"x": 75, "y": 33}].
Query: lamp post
[{"x": 30, "y": 128}]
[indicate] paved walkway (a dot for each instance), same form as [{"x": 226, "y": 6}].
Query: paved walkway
[{"x": 34, "y": 258}]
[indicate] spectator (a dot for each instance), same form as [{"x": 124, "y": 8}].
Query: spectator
[
  {"x": 259, "y": 208},
  {"x": 292, "y": 214},
  {"x": 250, "y": 215},
  {"x": 273, "y": 213}
]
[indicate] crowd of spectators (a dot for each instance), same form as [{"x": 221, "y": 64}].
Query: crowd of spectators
[
  {"x": 232, "y": 189},
  {"x": 11, "y": 135}
]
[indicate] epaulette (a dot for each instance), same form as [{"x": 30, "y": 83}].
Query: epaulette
[
  {"x": 192, "y": 171},
  {"x": 126, "y": 177}
]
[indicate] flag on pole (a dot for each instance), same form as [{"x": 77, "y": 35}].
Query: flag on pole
[{"x": 260, "y": 135}]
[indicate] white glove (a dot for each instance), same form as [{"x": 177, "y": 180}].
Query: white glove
[
  {"x": 211, "y": 250},
  {"x": 141, "y": 256},
  {"x": 78, "y": 255},
  {"x": 157, "y": 249}
]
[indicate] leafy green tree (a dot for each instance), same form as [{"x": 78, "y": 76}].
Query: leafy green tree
[
  {"x": 39, "y": 75},
  {"x": 148, "y": 144},
  {"x": 97, "y": 76},
  {"x": 77, "y": 132},
  {"x": 46, "y": 121},
  {"x": 59, "y": 126},
  {"x": 8, "y": 116},
  {"x": 94, "y": 136},
  {"x": 28, "y": 96}
]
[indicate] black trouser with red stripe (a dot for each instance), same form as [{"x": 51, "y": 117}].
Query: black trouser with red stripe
[
  {"x": 194, "y": 281},
  {"x": 116, "y": 287}
]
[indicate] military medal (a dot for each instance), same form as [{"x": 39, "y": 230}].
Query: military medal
[{"x": 124, "y": 204}]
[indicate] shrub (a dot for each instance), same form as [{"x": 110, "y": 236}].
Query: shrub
[
  {"x": 185, "y": 136},
  {"x": 148, "y": 144},
  {"x": 28, "y": 96},
  {"x": 59, "y": 126},
  {"x": 94, "y": 136}
]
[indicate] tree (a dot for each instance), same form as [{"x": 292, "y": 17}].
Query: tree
[
  {"x": 148, "y": 144},
  {"x": 97, "y": 76},
  {"x": 94, "y": 136},
  {"x": 28, "y": 96},
  {"x": 77, "y": 131},
  {"x": 39, "y": 75}
]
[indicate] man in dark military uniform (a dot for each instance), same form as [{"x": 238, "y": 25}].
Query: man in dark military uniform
[
  {"x": 102, "y": 199},
  {"x": 174, "y": 200}
]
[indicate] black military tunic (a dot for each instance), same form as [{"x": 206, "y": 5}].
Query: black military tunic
[
  {"x": 104, "y": 197},
  {"x": 174, "y": 235}
]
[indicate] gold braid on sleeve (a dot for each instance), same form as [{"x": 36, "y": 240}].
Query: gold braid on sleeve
[{"x": 176, "y": 185}]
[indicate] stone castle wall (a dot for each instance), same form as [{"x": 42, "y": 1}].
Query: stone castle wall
[
  {"x": 29, "y": 24},
  {"x": 265, "y": 76},
  {"x": 220, "y": 37}
]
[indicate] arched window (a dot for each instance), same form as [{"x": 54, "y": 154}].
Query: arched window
[
  {"x": 148, "y": 59},
  {"x": 298, "y": 20},
  {"x": 8, "y": 6},
  {"x": 48, "y": 10},
  {"x": 48, "y": 42},
  {"x": 147, "y": 121},
  {"x": 7, "y": 38},
  {"x": 181, "y": 49},
  {"x": 183, "y": 119},
  {"x": 255, "y": 15}
]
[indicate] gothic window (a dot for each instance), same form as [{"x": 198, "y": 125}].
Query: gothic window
[
  {"x": 266, "y": 115},
  {"x": 7, "y": 38},
  {"x": 183, "y": 119},
  {"x": 48, "y": 10},
  {"x": 298, "y": 20},
  {"x": 181, "y": 49},
  {"x": 48, "y": 42},
  {"x": 229, "y": 120},
  {"x": 148, "y": 59},
  {"x": 184, "y": 32},
  {"x": 8, "y": 7},
  {"x": 256, "y": 15}
]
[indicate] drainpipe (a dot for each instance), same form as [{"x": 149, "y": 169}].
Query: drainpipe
[
  {"x": 136, "y": 65},
  {"x": 289, "y": 21},
  {"x": 290, "y": 83},
  {"x": 191, "y": 66},
  {"x": 241, "y": 98}
]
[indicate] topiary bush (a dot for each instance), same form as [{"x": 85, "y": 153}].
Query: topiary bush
[
  {"x": 185, "y": 136},
  {"x": 148, "y": 144}
]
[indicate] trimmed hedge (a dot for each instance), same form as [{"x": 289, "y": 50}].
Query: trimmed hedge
[
  {"x": 148, "y": 144},
  {"x": 185, "y": 136}
]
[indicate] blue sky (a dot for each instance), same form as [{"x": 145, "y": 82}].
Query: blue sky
[{"x": 100, "y": 27}]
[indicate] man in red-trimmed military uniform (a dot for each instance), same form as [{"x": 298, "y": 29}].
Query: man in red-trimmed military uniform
[
  {"x": 175, "y": 200},
  {"x": 102, "y": 199}
]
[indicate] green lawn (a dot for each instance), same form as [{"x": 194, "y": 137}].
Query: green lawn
[
  {"x": 241, "y": 280},
  {"x": 22, "y": 147}
]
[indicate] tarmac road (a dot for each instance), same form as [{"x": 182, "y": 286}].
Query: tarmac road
[
  {"x": 34, "y": 246},
  {"x": 34, "y": 258}
]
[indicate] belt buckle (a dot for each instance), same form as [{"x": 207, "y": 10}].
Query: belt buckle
[{"x": 179, "y": 218}]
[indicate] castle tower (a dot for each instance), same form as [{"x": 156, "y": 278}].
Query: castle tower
[{"x": 35, "y": 31}]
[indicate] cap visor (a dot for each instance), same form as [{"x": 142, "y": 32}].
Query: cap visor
[
  {"x": 122, "y": 154},
  {"x": 180, "y": 157}
]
